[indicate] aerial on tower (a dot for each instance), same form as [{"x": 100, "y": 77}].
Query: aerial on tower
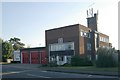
[{"x": 92, "y": 19}]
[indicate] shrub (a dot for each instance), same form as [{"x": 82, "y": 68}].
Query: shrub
[
  {"x": 52, "y": 64},
  {"x": 105, "y": 58},
  {"x": 4, "y": 59},
  {"x": 66, "y": 65},
  {"x": 80, "y": 61},
  {"x": 15, "y": 62},
  {"x": 44, "y": 65}
]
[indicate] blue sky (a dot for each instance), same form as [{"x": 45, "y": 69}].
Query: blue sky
[{"x": 29, "y": 20}]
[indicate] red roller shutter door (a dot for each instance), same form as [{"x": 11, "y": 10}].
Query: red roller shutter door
[
  {"x": 35, "y": 57},
  {"x": 43, "y": 57},
  {"x": 25, "y": 58}
]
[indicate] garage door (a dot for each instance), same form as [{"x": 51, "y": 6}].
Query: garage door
[
  {"x": 43, "y": 57},
  {"x": 25, "y": 58},
  {"x": 35, "y": 58}
]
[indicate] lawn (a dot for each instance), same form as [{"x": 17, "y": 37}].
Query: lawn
[{"x": 92, "y": 68}]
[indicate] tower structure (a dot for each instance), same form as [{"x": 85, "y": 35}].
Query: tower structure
[{"x": 92, "y": 19}]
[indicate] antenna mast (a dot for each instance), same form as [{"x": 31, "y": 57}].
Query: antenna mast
[{"x": 90, "y": 11}]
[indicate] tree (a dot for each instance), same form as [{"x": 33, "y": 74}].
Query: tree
[
  {"x": 7, "y": 50},
  {"x": 105, "y": 58},
  {"x": 1, "y": 49},
  {"x": 16, "y": 43}
]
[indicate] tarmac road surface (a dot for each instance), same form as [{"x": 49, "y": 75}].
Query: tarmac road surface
[{"x": 22, "y": 71}]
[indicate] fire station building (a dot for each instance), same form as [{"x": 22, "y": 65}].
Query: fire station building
[
  {"x": 35, "y": 55},
  {"x": 64, "y": 42}
]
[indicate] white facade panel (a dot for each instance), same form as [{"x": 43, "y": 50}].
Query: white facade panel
[
  {"x": 16, "y": 55},
  {"x": 62, "y": 46}
]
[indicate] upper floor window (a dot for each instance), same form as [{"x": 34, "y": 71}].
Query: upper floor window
[
  {"x": 81, "y": 33},
  {"x": 88, "y": 35},
  {"x": 85, "y": 34},
  {"x": 61, "y": 58},
  {"x": 61, "y": 46},
  {"x": 104, "y": 39},
  {"x": 96, "y": 35}
]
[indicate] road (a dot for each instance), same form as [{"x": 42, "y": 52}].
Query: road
[{"x": 9, "y": 71}]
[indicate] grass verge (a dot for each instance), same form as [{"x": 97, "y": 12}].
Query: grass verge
[{"x": 90, "y": 68}]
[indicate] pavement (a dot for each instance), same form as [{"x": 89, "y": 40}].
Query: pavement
[{"x": 59, "y": 69}]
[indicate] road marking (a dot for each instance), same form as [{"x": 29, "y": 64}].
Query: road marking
[
  {"x": 23, "y": 71},
  {"x": 89, "y": 75},
  {"x": 38, "y": 76},
  {"x": 8, "y": 73}
]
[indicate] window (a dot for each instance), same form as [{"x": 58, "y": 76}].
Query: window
[
  {"x": 82, "y": 33},
  {"x": 104, "y": 39},
  {"x": 69, "y": 47},
  {"x": 96, "y": 57},
  {"x": 88, "y": 35},
  {"x": 88, "y": 46},
  {"x": 68, "y": 59},
  {"x": 100, "y": 38},
  {"x": 62, "y": 46},
  {"x": 107, "y": 40},
  {"x": 85, "y": 34},
  {"x": 61, "y": 58},
  {"x": 53, "y": 58},
  {"x": 96, "y": 35},
  {"x": 51, "y": 48}
]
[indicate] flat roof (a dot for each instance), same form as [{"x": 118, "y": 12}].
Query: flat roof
[
  {"x": 62, "y": 27},
  {"x": 34, "y": 48}
]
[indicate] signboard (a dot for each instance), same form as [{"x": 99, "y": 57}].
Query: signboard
[
  {"x": 60, "y": 40},
  {"x": 16, "y": 55}
]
